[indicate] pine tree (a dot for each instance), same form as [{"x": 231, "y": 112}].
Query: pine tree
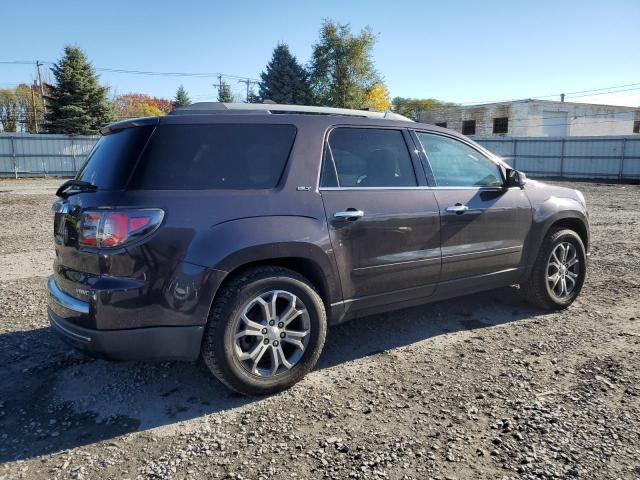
[
  {"x": 182, "y": 98},
  {"x": 77, "y": 104},
  {"x": 224, "y": 93},
  {"x": 285, "y": 80}
]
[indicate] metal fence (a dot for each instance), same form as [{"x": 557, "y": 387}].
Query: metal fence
[
  {"x": 29, "y": 155},
  {"x": 615, "y": 158},
  {"x": 611, "y": 157}
]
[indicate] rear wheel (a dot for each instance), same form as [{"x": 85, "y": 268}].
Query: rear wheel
[
  {"x": 559, "y": 271},
  {"x": 265, "y": 332}
]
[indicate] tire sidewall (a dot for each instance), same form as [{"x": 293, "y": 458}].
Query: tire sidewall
[{"x": 224, "y": 344}]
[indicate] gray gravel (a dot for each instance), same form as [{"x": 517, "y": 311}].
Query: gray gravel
[{"x": 480, "y": 387}]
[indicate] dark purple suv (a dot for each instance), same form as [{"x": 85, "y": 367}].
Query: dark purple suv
[{"x": 239, "y": 232}]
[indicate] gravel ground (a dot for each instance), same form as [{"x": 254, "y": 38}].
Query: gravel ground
[{"x": 479, "y": 387}]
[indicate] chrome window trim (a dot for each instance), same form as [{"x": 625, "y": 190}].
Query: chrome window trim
[
  {"x": 483, "y": 152},
  {"x": 418, "y": 188},
  {"x": 325, "y": 145}
]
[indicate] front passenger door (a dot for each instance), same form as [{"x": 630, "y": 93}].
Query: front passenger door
[{"x": 483, "y": 225}]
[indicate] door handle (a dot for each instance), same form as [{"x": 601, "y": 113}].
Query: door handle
[
  {"x": 457, "y": 208},
  {"x": 349, "y": 214}
]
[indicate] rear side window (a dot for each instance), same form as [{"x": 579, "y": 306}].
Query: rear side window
[
  {"x": 368, "y": 157},
  {"x": 218, "y": 156},
  {"x": 110, "y": 162}
]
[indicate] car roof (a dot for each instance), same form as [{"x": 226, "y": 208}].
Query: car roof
[{"x": 298, "y": 115}]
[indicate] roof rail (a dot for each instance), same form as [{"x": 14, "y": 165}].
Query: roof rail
[{"x": 209, "y": 108}]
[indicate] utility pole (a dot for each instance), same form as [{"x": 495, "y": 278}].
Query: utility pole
[
  {"x": 219, "y": 85},
  {"x": 44, "y": 104},
  {"x": 35, "y": 110},
  {"x": 248, "y": 82}
]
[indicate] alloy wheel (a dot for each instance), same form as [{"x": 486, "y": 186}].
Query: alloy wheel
[
  {"x": 271, "y": 333},
  {"x": 563, "y": 270}
]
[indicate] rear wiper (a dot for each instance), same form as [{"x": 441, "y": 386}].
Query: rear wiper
[{"x": 77, "y": 186}]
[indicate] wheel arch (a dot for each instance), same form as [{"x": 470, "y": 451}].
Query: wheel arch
[
  {"x": 573, "y": 223},
  {"x": 304, "y": 266},
  {"x": 308, "y": 260},
  {"x": 545, "y": 220}
]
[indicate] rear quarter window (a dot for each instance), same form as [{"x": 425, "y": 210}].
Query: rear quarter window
[
  {"x": 214, "y": 156},
  {"x": 109, "y": 164}
]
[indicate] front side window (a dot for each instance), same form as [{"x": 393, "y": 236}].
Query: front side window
[
  {"x": 368, "y": 157},
  {"x": 214, "y": 156},
  {"x": 455, "y": 164}
]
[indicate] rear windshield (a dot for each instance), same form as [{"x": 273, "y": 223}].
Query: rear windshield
[
  {"x": 219, "y": 156},
  {"x": 110, "y": 162}
]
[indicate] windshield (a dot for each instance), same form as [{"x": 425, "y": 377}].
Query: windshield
[{"x": 110, "y": 162}]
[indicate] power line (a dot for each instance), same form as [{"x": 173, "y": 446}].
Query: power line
[
  {"x": 143, "y": 72},
  {"x": 244, "y": 78},
  {"x": 447, "y": 109},
  {"x": 554, "y": 95}
]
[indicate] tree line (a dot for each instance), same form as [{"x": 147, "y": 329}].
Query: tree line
[{"x": 340, "y": 73}]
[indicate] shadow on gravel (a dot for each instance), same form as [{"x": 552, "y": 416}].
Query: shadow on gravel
[{"x": 53, "y": 399}]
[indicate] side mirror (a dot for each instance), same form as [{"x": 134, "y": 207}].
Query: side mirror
[{"x": 515, "y": 178}]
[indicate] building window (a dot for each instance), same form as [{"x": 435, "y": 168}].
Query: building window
[
  {"x": 469, "y": 127},
  {"x": 441, "y": 124},
  {"x": 636, "y": 126},
  {"x": 501, "y": 125}
]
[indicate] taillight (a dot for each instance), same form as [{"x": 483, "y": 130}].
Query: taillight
[
  {"x": 115, "y": 228},
  {"x": 89, "y": 228}
]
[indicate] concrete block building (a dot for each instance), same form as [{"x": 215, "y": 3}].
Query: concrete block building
[{"x": 536, "y": 118}]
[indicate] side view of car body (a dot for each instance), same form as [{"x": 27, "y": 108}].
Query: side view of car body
[{"x": 239, "y": 235}]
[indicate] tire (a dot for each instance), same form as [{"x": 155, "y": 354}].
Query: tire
[
  {"x": 240, "y": 307},
  {"x": 540, "y": 289}
]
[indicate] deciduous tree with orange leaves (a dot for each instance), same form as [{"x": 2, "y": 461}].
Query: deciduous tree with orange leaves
[{"x": 132, "y": 105}]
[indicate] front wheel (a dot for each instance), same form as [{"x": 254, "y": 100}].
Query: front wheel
[
  {"x": 265, "y": 332},
  {"x": 559, "y": 271}
]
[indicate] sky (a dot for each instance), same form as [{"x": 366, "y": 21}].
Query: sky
[{"x": 458, "y": 51}]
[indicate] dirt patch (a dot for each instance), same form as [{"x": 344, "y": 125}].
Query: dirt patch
[{"x": 479, "y": 387}]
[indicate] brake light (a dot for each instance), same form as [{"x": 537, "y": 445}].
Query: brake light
[
  {"x": 89, "y": 229},
  {"x": 115, "y": 228}
]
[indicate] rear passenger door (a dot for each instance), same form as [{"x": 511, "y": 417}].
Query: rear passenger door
[{"x": 383, "y": 220}]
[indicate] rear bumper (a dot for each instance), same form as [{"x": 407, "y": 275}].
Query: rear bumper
[
  {"x": 153, "y": 343},
  {"x": 174, "y": 342}
]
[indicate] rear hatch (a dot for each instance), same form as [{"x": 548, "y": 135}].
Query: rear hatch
[{"x": 104, "y": 175}]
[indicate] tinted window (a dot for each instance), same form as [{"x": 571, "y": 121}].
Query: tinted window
[
  {"x": 370, "y": 157},
  {"x": 328, "y": 176},
  {"x": 221, "y": 156},
  {"x": 455, "y": 164},
  {"x": 113, "y": 157}
]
